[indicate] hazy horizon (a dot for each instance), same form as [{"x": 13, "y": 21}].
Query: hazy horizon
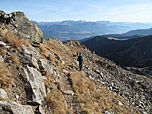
[
  {"x": 60, "y": 10},
  {"x": 91, "y": 21}
]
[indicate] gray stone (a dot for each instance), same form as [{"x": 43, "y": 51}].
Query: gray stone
[
  {"x": 30, "y": 56},
  {"x": 106, "y": 112},
  {"x": 3, "y": 93},
  {"x": 41, "y": 110},
  {"x": 7, "y": 107},
  {"x": 91, "y": 112},
  {"x": 1, "y": 58},
  {"x": 65, "y": 71},
  {"x": 45, "y": 65},
  {"x": 120, "y": 103},
  {"x": 2, "y": 44},
  {"x": 59, "y": 58},
  {"x": 35, "y": 87},
  {"x": 68, "y": 92}
]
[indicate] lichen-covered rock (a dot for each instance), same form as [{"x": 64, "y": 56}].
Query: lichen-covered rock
[
  {"x": 7, "y": 107},
  {"x": 21, "y": 26}
]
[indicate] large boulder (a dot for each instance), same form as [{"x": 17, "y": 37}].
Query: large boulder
[
  {"x": 7, "y": 107},
  {"x": 34, "y": 85},
  {"x": 21, "y": 26}
]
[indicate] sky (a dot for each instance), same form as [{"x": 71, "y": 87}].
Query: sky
[{"x": 89, "y": 10}]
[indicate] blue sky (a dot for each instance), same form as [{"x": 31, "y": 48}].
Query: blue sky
[{"x": 90, "y": 10}]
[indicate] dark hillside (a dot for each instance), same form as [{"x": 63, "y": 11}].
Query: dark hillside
[{"x": 134, "y": 52}]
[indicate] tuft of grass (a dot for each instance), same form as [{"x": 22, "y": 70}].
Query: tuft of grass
[
  {"x": 3, "y": 51},
  {"x": 44, "y": 50},
  {"x": 1, "y": 32},
  {"x": 55, "y": 101},
  {"x": 15, "y": 59},
  {"x": 59, "y": 66},
  {"x": 48, "y": 83},
  {"x": 5, "y": 81},
  {"x": 15, "y": 41},
  {"x": 42, "y": 56}
]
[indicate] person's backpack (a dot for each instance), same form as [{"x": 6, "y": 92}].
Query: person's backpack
[{"x": 80, "y": 58}]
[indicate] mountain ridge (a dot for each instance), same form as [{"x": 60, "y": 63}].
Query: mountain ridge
[
  {"x": 82, "y": 29},
  {"x": 43, "y": 78}
]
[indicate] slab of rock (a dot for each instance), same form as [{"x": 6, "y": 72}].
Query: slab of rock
[
  {"x": 7, "y": 107},
  {"x": 51, "y": 69},
  {"x": 29, "y": 56},
  {"x": 68, "y": 92},
  {"x": 34, "y": 85},
  {"x": 59, "y": 58},
  {"x": 45, "y": 65}
]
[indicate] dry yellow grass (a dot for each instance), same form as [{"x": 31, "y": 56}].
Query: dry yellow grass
[
  {"x": 43, "y": 49},
  {"x": 15, "y": 41},
  {"x": 94, "y": 97},
  {"x": 49, "y": 82},
  {"x": 55, "y": 100},
  {"x": 15, "y": 59},
  {"x": 42, "y": 56},
  {"x": 1, "y": 31},
  {"x": 59, "y": 66},
  {"x": 3, "y": 51},
  {"x": 54, "y": 46},
  {"x": 5, "y": 80}
]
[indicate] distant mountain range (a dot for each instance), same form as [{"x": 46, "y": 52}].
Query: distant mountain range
[
  {"x": 78, "y": 30},
  {"x": 126, "y": 52}
]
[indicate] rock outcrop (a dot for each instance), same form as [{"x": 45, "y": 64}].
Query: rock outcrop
[{"x": 21, "y": 26}]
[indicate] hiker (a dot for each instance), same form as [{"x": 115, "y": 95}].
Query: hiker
[{"x": 81, "y": 61}]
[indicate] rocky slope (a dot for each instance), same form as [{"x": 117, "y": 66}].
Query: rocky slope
[{"x": 44, "y": 79}]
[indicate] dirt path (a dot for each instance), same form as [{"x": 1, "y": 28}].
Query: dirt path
[{"x": 69, "y": 94}]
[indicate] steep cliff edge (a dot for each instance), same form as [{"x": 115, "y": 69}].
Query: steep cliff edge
[{"x": 44, "y": 79}]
